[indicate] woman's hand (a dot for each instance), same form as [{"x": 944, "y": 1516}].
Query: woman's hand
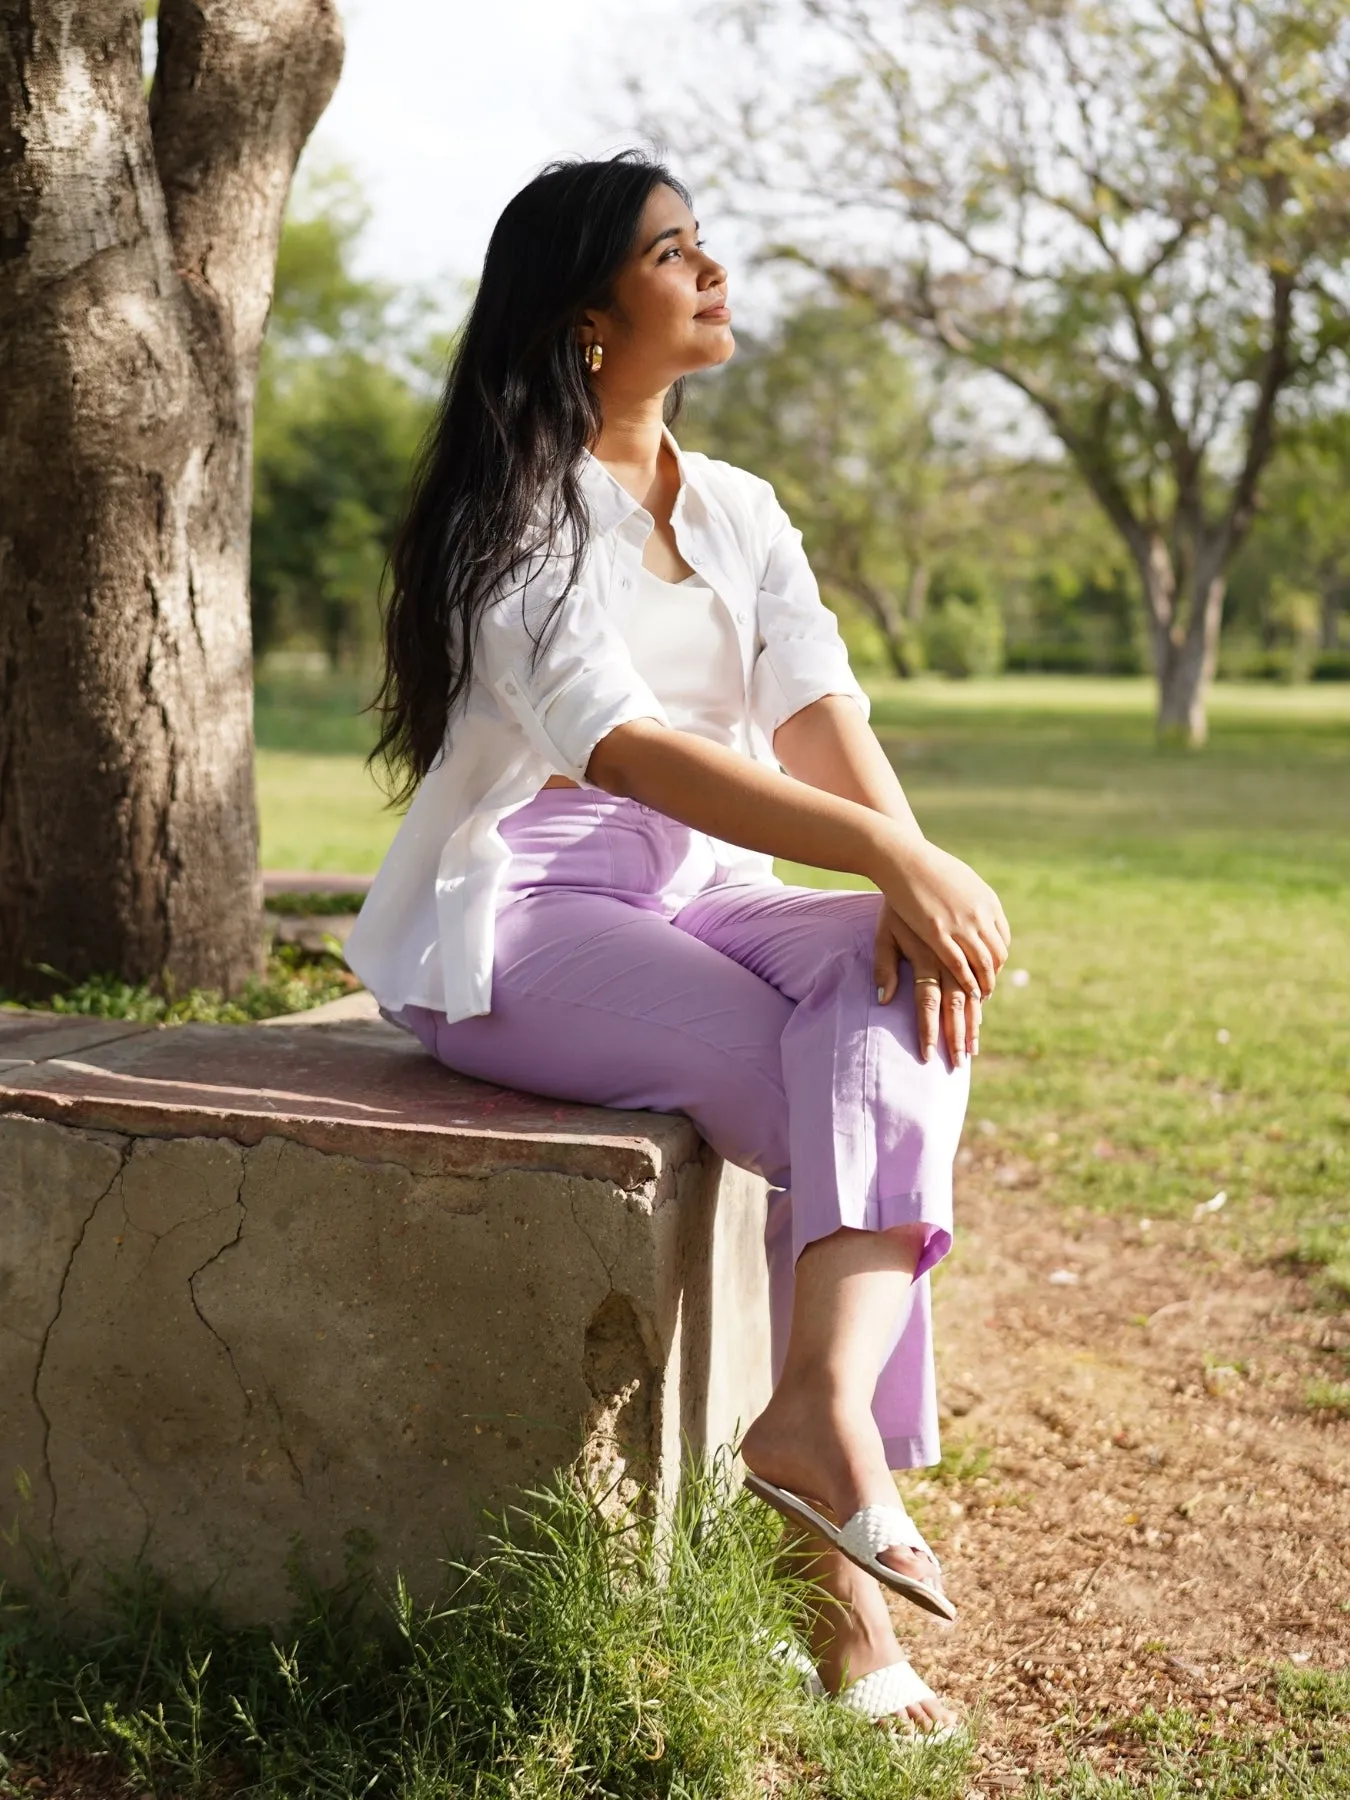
[
  {"x": 949, "y": 908},
  {"x": 940, "y": 1001}
]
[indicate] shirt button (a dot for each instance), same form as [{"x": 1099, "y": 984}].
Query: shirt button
[{"x": 742, "y": 614}]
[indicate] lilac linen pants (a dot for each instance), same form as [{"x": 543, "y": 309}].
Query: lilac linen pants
[{"x": 627, "y": 973}]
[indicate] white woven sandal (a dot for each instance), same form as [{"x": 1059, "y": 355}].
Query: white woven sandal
[
  {"x": 883, "y": 1694},
  {"x": 870, "y": 1530},
  {"x": 886, "y": 1693}
]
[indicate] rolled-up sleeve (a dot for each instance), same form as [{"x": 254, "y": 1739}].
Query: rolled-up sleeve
[
  {"x": 583, "y": 682},
  {"x": 802, "y": 656}
]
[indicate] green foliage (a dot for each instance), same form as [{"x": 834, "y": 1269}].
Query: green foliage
[
  {"x": 831, "y": 410},
  {"x": 1315, "y": 1694},
  {"x": 344, "y": 396},
  {"x": 963, "y": 632},
  {"x": 883, "y": 469},
  {"x": 294, "y": 981},
  {"x": 335, "y": 441},
  {"x": 1290, "y": 592},
  {"x": 590, "y": 1652}
]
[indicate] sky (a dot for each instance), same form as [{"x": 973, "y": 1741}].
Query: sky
[{"x": 445, "y": 109}]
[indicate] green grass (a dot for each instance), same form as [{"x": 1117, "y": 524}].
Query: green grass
[
  {"x": 587, "y": 1654},
  {"x": 319, "y": 808},
  {"x": 590, "y": 1654},
  {"x": 293, "y": 981},
  {"x": 1179, "y": 1753},
  {"x": 1331, "y": 1399},
  {"x": 321, "y": 813}
]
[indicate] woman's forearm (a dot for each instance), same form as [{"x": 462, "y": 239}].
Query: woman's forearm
[
  {"x": 716, "y": 790},
  {"x": 831, "y": 745}
]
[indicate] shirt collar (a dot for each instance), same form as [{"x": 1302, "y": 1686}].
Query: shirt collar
[{"x": 610, "y": 502}]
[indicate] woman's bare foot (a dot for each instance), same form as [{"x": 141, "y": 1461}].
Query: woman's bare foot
[
  {"x": 809, "y": 1442},
  {"x": 851, "y": 1633}
]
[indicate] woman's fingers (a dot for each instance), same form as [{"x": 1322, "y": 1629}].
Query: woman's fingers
[
  {"x": 954, "y": 1003},
  {"x": 981, "y": 960},
  {"x": 1001, "y": 925},
  {"x": 974, "y": 1013},
  {"x": 927, "y": 1004},
  {"x": 885, "y": 962},
  {"x": 957, "y": 963}
]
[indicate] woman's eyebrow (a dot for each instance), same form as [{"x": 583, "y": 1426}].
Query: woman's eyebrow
[{"x": 671, "y": 231}]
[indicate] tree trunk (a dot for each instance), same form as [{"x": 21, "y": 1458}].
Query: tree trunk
[
  {"x": 1185, "y": 651},
  {"x": 878, "y": 603},
  {"x": 137, "y": 249},
  {"x": 1332, "y": 591}
]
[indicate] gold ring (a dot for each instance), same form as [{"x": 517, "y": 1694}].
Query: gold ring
[{"x": 932, "y": 980}]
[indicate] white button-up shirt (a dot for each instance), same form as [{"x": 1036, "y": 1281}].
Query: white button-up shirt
[{"x": 425, "y": 932}]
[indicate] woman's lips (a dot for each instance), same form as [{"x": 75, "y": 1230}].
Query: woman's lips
[{"x": 715, "y": 312}]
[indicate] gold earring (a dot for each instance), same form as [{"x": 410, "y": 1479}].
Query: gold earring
[{"x": 595, "y": 355}]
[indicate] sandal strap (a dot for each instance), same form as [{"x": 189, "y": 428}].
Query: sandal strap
[
  {"x": 876, "y": 1528},
  {"x": 885, "y": 1691},
  {"x": 791, "y": 1653}
]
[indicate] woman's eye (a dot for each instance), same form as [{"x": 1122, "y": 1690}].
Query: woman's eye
[{"x": 674, "y": 249}]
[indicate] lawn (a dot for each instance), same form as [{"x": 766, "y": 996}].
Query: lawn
[
  {"x": 319, "y": 806},
  {"x": 1180, "y": 922}
]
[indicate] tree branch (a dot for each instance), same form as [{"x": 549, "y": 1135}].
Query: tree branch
[
  {"x": 923, "y": 309},
  {"x": 1261, "y": 429}
]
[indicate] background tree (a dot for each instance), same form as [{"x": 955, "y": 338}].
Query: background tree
[
  {"x": 137, "y": 244},
  {"x": 862, "y": 448},
  {"x": 348, "y": 378},
  {"x": 1291, "y": 585},
  {"x": 925, "y": 528},
  {"x": 1135, "y": 213}
]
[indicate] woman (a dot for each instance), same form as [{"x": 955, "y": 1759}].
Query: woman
[{"x": 615, "y": 694}]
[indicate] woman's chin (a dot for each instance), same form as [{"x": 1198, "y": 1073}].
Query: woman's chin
[{"x": 718, "y": 346}]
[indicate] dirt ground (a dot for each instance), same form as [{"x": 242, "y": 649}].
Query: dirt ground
[{"x": 1161, "y": 1520}]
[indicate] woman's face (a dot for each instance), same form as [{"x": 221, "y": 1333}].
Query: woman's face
[{"x": 668, "y": 315}]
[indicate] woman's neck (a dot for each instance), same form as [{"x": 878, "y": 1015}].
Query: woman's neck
[{"x": 631, "y": 441}]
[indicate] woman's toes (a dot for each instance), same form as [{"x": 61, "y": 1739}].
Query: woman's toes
[{"x": 932, "y": 1715}]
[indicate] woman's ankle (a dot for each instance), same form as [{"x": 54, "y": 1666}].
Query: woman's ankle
[{"x": 832, "y": 1452}]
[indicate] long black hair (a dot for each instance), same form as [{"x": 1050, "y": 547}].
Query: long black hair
[{"x": 517, "y": 410}]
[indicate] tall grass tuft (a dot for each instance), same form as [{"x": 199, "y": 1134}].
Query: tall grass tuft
[{"x": 592, "y": 1651}]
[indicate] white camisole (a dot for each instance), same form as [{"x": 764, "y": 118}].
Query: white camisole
[{"x": 684, "y": 647}]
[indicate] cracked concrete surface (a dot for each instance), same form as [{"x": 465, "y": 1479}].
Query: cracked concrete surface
[{"x": 213, "y": 1350}]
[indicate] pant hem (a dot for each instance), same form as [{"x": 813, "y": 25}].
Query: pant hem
[{"x": 910, "y": 1452}]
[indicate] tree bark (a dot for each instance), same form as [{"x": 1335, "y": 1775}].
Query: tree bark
[
  {"x": 1185, "y": 651},
  {"x": 137, "y": 251}
]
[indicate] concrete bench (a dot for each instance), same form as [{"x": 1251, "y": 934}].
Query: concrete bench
[{"x": 261, "y": 1283}]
